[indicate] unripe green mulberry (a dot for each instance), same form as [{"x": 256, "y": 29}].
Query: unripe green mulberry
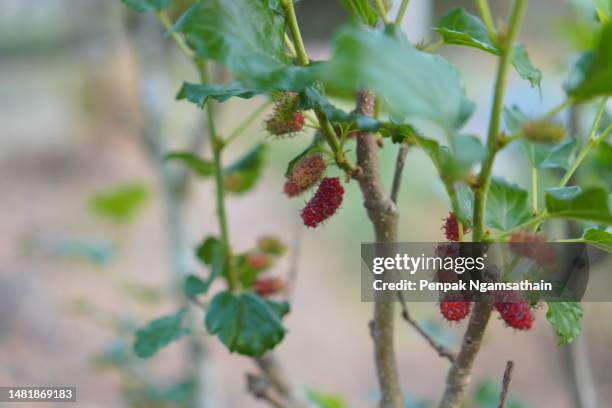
[{"x": 544, "y": 131}]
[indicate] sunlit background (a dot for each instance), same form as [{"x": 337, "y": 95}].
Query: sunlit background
[{"x": 87, "y": 109}]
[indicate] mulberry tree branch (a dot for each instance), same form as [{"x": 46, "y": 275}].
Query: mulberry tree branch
[
  {"x": 505, "y": 384},
  {"x": 383, "y": 214},
  {"x": 459, "y": 374}
]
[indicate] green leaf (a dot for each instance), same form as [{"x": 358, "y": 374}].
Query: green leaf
[
  {"x": 507, "y": 205},
  {"x": 465, "y": 202},
  {"x": 591, "y": 204},
  {"x": 242, "y": 175},
  {"x": 524, "y": 67},
  {"x": 120, "y": 204},
  {"x": 604, "y": 9},
  {"x": 431, "y": 90},
  {"x": 325, "y": 400},
  {"x": 565, "y": 318},
  {"x": 245, "y": 323},
  {"x": 540, "y": 155},
  {"x": 600, "y": 238},
  {"x": 200, "y": 93},
  {"x": 143, "y": 6},
  {"x": 514, "y": 118},
  {"x": 247, "y": 37},
  {"x": 547, "y": 156},
  {"x": 194, "y": 286},
  {"x": 591, "y": 76},
  {"x": 361, "y": 9},
  {"x": 459, "y": 27},
  {"x": 467, "y": 150},
  {"x": 312, "y": 97},
  {"x": 159, "y": 333},
  {"x": 201, "y": 167},
  {"x": 206, "y": 249}
]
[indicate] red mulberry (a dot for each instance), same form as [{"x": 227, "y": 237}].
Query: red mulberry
[
  {"x": 532, "y": 246},
  {"x": 451, "y": 227},
  {"x": 305, "y": 174},
  {"x": 515, "y": 310},
  {"x": 269, "y": 286},
  {"x": 258, "y": 261},
  {"x": 455, "y": 310},
  {"x": 324, "y": 203}
]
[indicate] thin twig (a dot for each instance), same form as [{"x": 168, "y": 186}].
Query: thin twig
[
  {"x": 296, "y": 250},
  {"x": 260, "y": 389},
  {"x": 505, "y": 384},
  {"x": 440, "y": 349},
  {"x": 399, "y": 168},
  {"x": 277, "y": 378}
]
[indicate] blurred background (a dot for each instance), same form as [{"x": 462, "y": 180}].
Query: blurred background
[{"x": 97, "y": 231}]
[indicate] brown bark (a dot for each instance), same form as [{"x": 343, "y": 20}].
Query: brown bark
[
  {"x": 384, "y": 217},
  {"x": 460, "y": 372}
]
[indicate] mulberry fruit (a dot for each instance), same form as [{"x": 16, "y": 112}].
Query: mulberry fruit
[
  {"x": 304, "y": 174},
  {"x": 269, "y": 286},
  {"x": 324, "y": 203},
  {"x": 258, "y": 261},
  {"x": 543, "y": 131},
  {"x": 514, "y": 310},
  {"x": 451, "y": 227},
  {"x": 286, "y": 118},
  {"x": 455, "y": 310},
  {"x": 532, "y": 246}
]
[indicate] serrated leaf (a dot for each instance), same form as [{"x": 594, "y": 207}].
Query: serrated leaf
[
  {"x": 247, "y": 37},
  {"x": 242, "y": 175},
  {"x": 431, "y": 90},
  {"x": 600, "y": 238},
  {"x": 245, "y": 323},
  {"x": 120, "y": 204},
  {"x": 591, "y": 204},
  {"x": 143, "y": 6},
  {"x": 201, "y": 93},
  {"x": 201, "y": 167},
  {"x": 565, "y": 318},
  {"x": 524, "y": 67},
  {"x": 361, "y": 9},
  {"x": 159, "y": 333},
  {"x": 591, "y": 76},
  {"x": 507, "y": 205},
  {"x": 459, "y": 27}
]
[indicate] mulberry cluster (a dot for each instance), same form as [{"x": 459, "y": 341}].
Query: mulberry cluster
[
  {"x": 304, "y": 174},
  {"x": 451, "y": 227},
  {"x": 532, "y": 246},
  {"x": 324, "y": 203},
  {"x": 286, "y": 118},
  {"x": 514, "y": 310},
  {"x": 258, "y": 260}
]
